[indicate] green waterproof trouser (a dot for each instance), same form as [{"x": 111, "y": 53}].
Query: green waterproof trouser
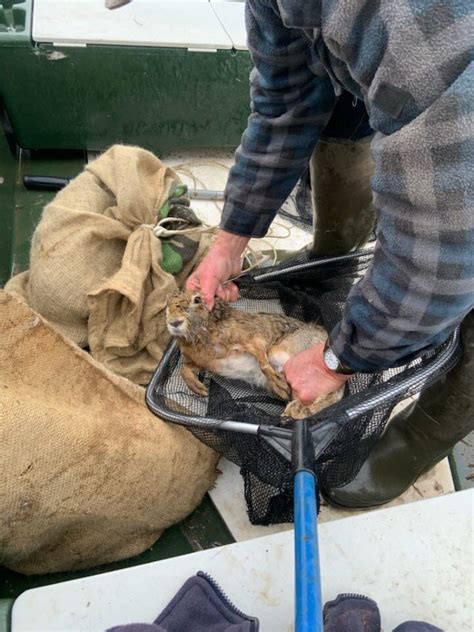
[{"x": 344, "y": 216}]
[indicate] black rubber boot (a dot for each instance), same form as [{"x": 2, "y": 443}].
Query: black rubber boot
[
  {"x": 344, "y": 217},
  {"x": 417, "y": 438},
  {"x": 417, "y": 626}
]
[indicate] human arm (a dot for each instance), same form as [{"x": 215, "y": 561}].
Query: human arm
[
  {"x": 420, "y": 284},
  {"x": 420, "y": 100},
  {"x": 290, "y": 107}
]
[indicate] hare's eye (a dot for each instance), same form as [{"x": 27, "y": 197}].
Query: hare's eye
[{"x": 197, "y": 300}]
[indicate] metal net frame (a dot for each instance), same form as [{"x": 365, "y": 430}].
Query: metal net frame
[{"x": 243, "y": 423}]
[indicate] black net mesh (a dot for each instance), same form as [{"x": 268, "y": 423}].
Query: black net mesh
[
  {"x": 343, "y": 434},
  {"x": 298, "y": 207}
]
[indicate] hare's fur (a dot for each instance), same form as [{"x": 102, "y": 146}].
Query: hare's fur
[{"x": 240, "y": 345}]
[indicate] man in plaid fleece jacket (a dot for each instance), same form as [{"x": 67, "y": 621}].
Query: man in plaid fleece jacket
[{"x": 410, "y": 63}]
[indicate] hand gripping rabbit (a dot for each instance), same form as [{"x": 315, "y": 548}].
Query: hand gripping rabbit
[{"x": 240, "y": 345}]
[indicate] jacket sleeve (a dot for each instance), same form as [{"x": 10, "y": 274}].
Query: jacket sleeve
[
  {"x": 290, "y": 105},
  {"x": 419, "y": 77}
]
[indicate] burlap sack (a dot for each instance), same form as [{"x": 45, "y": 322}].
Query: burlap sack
[
  {"x": 95, "y": 268},
  {"x": 88, "y": 474}
]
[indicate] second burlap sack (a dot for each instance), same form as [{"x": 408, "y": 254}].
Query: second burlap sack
[
  {"x": 95, "y": 264},
  {"x": 89, "y": 475}
]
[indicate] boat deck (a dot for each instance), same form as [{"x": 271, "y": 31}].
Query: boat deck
[{"x": 221, "y": 519}]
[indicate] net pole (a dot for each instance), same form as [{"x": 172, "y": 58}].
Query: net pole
[{"x": 308, "y": 599}]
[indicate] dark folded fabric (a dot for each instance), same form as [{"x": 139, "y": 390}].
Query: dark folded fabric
[
  {"x": 199, "y": 606},
  {"x": 351, "y": 613},
  {"x": 416, "y": 626},
  {"x": 137, "y": 627},
  {"x": 356, "y": 613}
]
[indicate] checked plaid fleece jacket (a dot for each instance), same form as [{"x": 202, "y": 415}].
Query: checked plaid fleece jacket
[{"x": 411, "y": 61}]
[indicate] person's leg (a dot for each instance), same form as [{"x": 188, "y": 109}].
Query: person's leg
[
  {"x": 417, "y": 438},
  {"x": 340, "y": 170}
]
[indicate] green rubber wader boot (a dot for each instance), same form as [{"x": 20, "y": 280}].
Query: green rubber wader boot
[
  {"x": 418, "y": 437},
  {"x": 344, "y": 216}
]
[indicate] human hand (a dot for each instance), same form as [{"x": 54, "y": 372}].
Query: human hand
[
  {"x": 309, "y": 377},
  {"x": 222, "y": 262}
]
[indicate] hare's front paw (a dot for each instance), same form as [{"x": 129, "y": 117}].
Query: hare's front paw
[
  {"x": 297, "y": 410},
  {"x": 278, "y": 385},
  {"x": 193, "y": 382},
  {"x": 294, "y": 410},
  {"x": 199, "y": 388}
]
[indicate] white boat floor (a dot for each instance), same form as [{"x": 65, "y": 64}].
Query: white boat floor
[
  {"x": 211, "y": 169},
  {"x": 228, "y": 497},
  {"x": 414, "y": 560}
]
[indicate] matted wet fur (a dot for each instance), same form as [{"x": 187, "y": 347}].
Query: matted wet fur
[{"x": 240, "y": 345}]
